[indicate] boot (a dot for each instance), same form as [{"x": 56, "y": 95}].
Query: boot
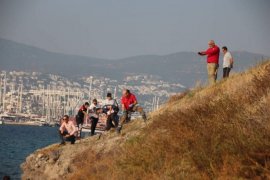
[
  {"x": 144, "y": 117},
  {"x": 118, "y": 129}
]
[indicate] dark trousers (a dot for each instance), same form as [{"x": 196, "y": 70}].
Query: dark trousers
[
  {"x": 94, "y": 122},
  {"x": 72, "y": 138},
  {"x": 112, "y": 118},
  {"x": 79, "y": 122},
  {"x": 125, "y": 117},
  {"x": 226, "y": 72}
]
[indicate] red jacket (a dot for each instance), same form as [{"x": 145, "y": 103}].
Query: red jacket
[
  {"x": 126, "y": 101},
  {"x": 212, "y": 54}
]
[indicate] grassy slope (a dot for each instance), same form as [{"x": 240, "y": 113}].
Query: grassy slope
[{"x": 221, "y": 131}]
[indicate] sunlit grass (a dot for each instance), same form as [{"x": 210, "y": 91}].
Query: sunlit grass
[{"x": 216, "y": 132}]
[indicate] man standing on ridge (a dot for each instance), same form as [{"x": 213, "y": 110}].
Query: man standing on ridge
[
  {"x": 129, "y": 105},
  {"x": 227, "y": 62},
  {"x": 212, "y": 61}
]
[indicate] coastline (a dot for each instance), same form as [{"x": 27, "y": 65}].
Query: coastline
[
  {"x": 57, "y": 162},
  {"x": 20, "y": 123}
]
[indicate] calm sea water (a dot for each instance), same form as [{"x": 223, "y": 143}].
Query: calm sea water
[{"x": 17, "y": 142}]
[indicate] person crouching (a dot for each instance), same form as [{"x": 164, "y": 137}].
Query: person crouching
[
  {"x": 129, "y": 105},
  {"x": 67, "y": 131}
]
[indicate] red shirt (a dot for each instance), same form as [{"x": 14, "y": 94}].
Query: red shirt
[
  {"x": 128, "y": 100},
  {"x": 212, "y": 54},
  {"x": 83, "y": 108}
]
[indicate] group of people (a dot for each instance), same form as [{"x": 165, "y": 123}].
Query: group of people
[
  {"x": 110, "y": 108},
  {"x": 212, "y": 54},
  {"x": 68, "y": 131}
]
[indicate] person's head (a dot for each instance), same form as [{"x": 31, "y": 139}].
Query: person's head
[
  {"x": 211, "y": 43},
  {"x": 125, "y": 92},
  {"x": 94, "y": 101},
  {"x": 66, "y": 118},
  {"x": 86, "y": 104},
  {"x": 99, "y": 110},
  {"x": 109, "y": 96},
  {"x": 224, "y": 49}
]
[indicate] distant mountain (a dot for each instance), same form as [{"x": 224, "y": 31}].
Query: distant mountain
[{"x": 184, "y": 67}]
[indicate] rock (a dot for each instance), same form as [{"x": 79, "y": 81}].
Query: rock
[
  {"x": 66, "y": 170},
  {"x": 39, "y": 156},
  {"x": 54, "y": 155},
  {"x": 46, "y": 158},
  {"x": 51, "y": 161},
  {"x": 37, "y": 165}
]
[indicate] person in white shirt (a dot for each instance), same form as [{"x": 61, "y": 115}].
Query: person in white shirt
[
  {"x": 67, "y": 131},
  {"x": 94, "y": 110},
  {"x": 227, "y": 62},
  {"x": 94, "y": 105},
  {"x": 110, "y": 107}
]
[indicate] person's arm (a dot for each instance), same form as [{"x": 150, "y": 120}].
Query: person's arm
[
  {"x": 134, "y": 101},
  {"x": 123, "y": 107},
  {"x": 202, "y": 53},
  {"x": 211, "y": 51},
  {"x": 85, "y": 113},
  {"x": 62, "y": 128},
  {"x": 231, "y": 61}
]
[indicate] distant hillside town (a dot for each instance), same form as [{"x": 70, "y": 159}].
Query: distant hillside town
[{"x": 46, "y": 97}]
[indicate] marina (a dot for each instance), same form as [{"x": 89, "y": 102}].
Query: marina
[{"x": 41, "y": 100}]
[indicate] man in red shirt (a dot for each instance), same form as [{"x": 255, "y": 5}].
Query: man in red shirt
[
  {"x": 129, "y": 105},
  {"x": 212, "y": 61}
]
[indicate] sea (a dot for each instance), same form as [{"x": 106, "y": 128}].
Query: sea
[{"x": 19, "y": 141}]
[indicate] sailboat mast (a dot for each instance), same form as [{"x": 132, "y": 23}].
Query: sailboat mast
[
  {"x": 21, "y": 97},
  {"x": 115, "y": 92},
  {"x": 5, "y": 88}
]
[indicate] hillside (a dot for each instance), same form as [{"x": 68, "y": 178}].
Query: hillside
[
  {"x": 214, "y": 132},
  {"x": 183, "y": 67}
]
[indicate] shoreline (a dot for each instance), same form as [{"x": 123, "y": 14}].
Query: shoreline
[{"x": 20, "y": 123}]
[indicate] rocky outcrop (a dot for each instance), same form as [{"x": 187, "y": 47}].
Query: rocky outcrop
[
  {"x": 52, "y": 162},
  {"x": 56, "y": 161}
]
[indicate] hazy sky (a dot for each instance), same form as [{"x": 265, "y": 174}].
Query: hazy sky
[{"x": 120, "y": 28}]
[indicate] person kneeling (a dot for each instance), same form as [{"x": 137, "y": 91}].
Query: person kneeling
[
  {"x": 67, "y": 131},
  {"x": 129, "y": 105}
]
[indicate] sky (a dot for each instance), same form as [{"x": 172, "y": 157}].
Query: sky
[{"x": 114, "y": 29}]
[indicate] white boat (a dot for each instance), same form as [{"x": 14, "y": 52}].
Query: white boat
[
  {"x": 7, "y": 118},
  {"x": 1, "y": 122}
]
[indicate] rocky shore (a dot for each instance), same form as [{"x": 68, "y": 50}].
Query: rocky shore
[{"x": 57, "y": 161}]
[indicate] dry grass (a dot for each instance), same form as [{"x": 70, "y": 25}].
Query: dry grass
[{"x": 218, "y": 132}]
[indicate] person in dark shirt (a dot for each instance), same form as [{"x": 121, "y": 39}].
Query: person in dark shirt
[{"x": 81, "y": 115}]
